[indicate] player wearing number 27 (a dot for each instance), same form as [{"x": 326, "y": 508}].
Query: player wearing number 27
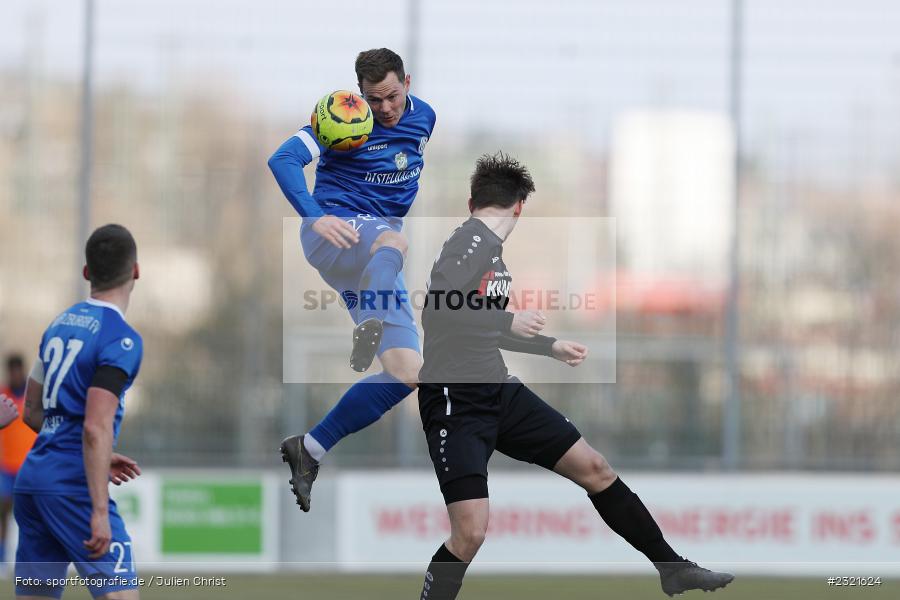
[{"x": 75, "y": 397}]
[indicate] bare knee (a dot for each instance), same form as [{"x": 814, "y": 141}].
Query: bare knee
[
  {"x": 599, "y": 475},
  {"x": 403, "y": 364},
  {"x": 586, "y": 467},
  {"x": 390, "y": 239},
  {"x": 466, "y": 540},
  {"x": 407, "y": 373}
]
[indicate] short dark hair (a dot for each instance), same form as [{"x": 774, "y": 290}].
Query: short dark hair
[
  {"x": 15, "y": 361},
  {"x": 374, "y": 65},
  {"x": 110, "y": 253},
  {"x": 499, "y": 180}
]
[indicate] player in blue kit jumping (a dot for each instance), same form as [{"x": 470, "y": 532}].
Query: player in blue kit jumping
[
  {"x": 351, "y": 234},
  {"x": 75, "y": 398}
]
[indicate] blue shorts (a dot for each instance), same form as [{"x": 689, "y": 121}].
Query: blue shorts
[
  {"x": 7, "y": 483},
  {"x": 342, "y": 268},
  {"x": 51, "y": 531}
]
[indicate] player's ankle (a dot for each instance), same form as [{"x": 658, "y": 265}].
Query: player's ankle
[{"x": 314, "y": 448}]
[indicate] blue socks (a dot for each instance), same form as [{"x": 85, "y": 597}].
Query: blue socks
[
  {"x": 377, "y": 283},
  {"x": 359, "y": 407},
  {"x": 371, "y": 397}
]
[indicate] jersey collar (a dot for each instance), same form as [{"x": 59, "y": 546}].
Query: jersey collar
[
  {"x": 95, "y": 302},
  {"x": 410, "y": 107}
]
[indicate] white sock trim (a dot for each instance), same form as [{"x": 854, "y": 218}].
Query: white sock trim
[{"x": 314, "y": 448}]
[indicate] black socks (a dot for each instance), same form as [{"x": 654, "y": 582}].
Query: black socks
[
  {"x": 625, "y": 514},
  {"x": 444, "y": 576},
  {"x": 619, "y": 507}
]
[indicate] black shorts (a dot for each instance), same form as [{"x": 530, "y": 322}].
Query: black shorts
[{"x": 465, "y": 423}]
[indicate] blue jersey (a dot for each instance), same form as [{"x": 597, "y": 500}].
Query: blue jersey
[
  {"x": 88, "y": 335},
  {"x": 380, "y": 178}
]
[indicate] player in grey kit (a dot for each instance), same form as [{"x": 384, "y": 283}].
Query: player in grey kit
[{"x": 470, "y": 406}]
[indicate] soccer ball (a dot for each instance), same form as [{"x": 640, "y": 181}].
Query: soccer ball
[{"x": 342, "y": 121}]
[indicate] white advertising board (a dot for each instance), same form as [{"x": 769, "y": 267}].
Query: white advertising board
[{"x": 762, "y": 524}]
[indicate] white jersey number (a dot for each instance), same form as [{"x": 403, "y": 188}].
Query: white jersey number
[{"x": 53, "y": 354}]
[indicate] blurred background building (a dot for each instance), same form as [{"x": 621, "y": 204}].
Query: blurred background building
[{"x": 620, "y": 109}]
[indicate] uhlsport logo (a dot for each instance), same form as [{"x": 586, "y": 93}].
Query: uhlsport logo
[{"x": 127, "y": 344}]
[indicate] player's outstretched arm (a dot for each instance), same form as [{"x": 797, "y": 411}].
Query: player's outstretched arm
[
  {"x": 571, "y": 353},
  {"x": 540, "y": 345},
  {"x": 287, "y": 166},
  {"x": 97, "y": 441},
  {"x": 527, "y": 323}
]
